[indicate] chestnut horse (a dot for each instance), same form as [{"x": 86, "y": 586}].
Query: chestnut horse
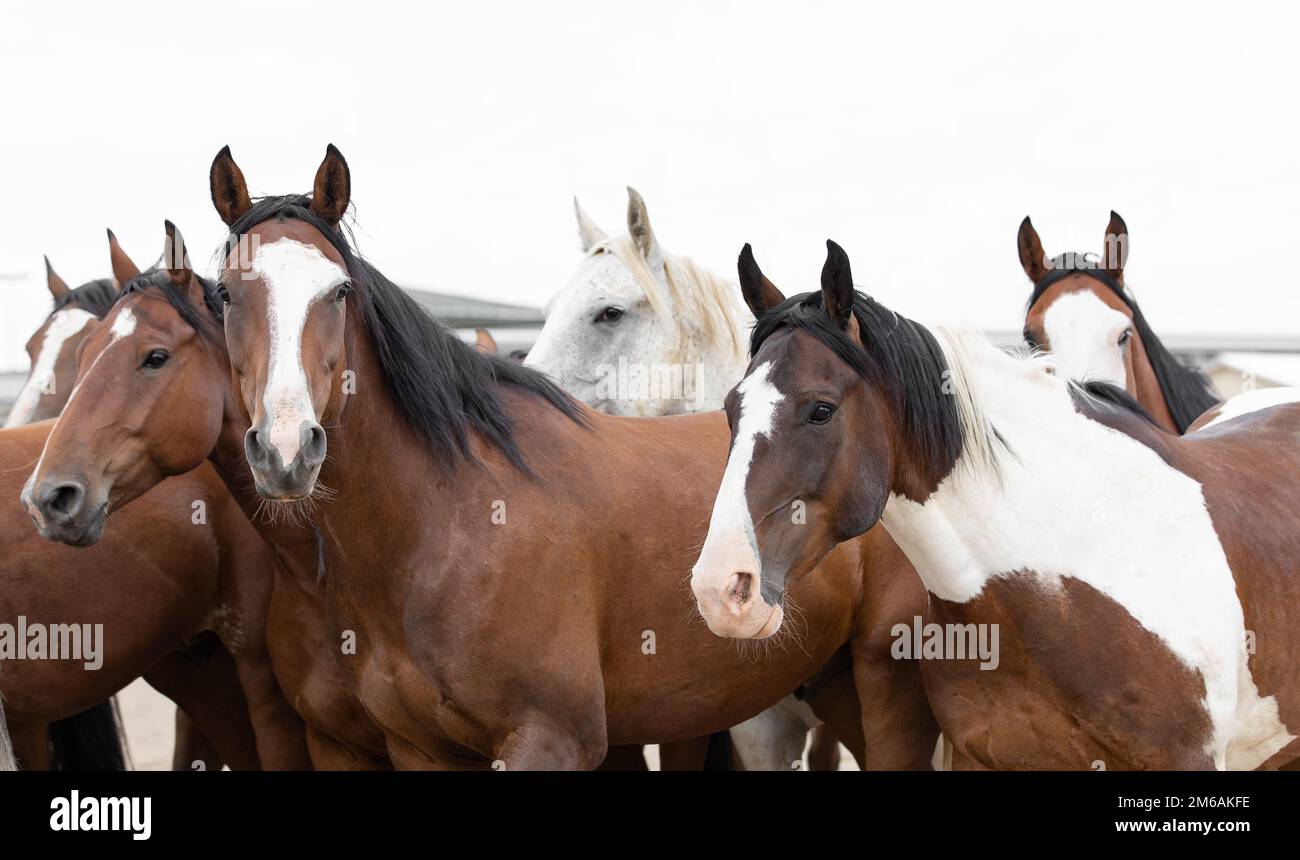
[
  {"x": 1082, "y": 312},
  {"x": 52, "y": 348},
  {"x": 200, "y": 579},
  {"x": 153, "y": 583},
  {"x": 171, "y": 424},
  {"x": 1127, "y": 573},
  {"x": 531, "y": 607}
]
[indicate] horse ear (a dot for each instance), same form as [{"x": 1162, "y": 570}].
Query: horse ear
[
  {"x": 1032, "y": 258},
  {"x": 123, "y": 269},
  {"x": 58, "y": 287},
  {"x": 175, "y": 258},
  {"x": 229, "y": 190},
  {"x": 837, "y": 285},
  {"x": 1115, "y": 250},
  {"x": 588, "y": 232},
  {"x": 484, "y": 342},
  {"x": 332, "y": 189},
  {"x": 638, "y": 225},
  {"x": 760, "y": 294}
]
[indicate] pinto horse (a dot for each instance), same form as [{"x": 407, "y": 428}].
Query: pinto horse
[
  {"x": 495, "y": 632},
  {"x": 1128, "y": 573},
  {"x": 126, "y": 440},
  {"x": 1082, "y": 312},
  {"x": 642, "y": 331}
]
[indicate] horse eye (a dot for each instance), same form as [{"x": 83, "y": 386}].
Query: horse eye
[
  {"x": 223, "y": 294},
  {"x": 821, "y": 413},
  {"x": 344, "y": 290},
  {"x": 156, "y": 359},
  {"x": 1124, "y": 336},
  {"x": 610, "y": 315}
]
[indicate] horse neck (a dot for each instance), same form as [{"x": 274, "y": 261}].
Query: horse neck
[
  {"x": 718, "y": 352},
  {"x": 1147, "y": 389},
  {"x": 1068, "y": 492}
]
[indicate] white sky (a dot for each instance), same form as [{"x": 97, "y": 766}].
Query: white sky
[{"x": 915, "y": 134}]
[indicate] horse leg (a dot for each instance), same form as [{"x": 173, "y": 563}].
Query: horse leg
[
  {"x": 684, "y": 755},
  {"x": 772, "y": 740},
  {"x": 545, "y": 746},
  {"x": 207, "y": 688},
  {"x": 192, "y": 747},
  {"x": 280, "y": 732},
  {"x": 625, "y": 758},
  {"x": 898, "y": 726},
  {"x": 824, "y": 752}
]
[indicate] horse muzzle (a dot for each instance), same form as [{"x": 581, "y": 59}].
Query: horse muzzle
[
  {"x": 266, "y": 457},
  {"x": 62, "y": 510}
]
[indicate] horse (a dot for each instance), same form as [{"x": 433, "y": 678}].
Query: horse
[
  {"x": 1084, "y": 314},
  {"x": 641, "y": 331},
  {"x": 633, "y": 309},
  {"x": 495, "y": 634},
  {"x": 163, "y": 587},
  {"x": 1127, "y": 573},
  {"x": 52, "y": 348},
  {"x": 174, "y": 425}
]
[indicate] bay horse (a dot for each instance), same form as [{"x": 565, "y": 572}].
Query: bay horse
[
  {"x": 495, "y": 633},
  {"x": 125, "y": 439},
  {"x": 1128, "y": 573},
  {"x": 192, "y": 580},
  {"x": 52, "y": 348},
  {"x": 642, "y": 331},
  {"x": 1084, "y": 314}
]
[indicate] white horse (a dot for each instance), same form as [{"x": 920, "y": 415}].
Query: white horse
[{"x": 640, "y": 331}]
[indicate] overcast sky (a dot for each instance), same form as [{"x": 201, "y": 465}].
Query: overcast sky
[{"x": 915, "y": 134}]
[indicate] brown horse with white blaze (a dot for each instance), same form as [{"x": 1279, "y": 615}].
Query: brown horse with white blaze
[
  {"x": 178, "y": 567},
  {"x": 1138, "y": 583},
  {"x": 169, "y": 424},
  {"x": 1084, "y": 314},
  {"x": 495, "y": 631}
]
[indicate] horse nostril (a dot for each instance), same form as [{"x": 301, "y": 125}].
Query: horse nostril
[
  {"x": 255, "y": 451},
  {"x": 740, "y": 588},
  {"x": 63, "y": 501},
  {"x": 312, "y": 442}
]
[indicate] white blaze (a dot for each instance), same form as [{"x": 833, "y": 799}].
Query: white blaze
[
  {"x": 731, "y": 546},
  {"x": 296, "y": 277},
  {"x": 1083, "y": 334},
  {"x": 63, "y": 325}
]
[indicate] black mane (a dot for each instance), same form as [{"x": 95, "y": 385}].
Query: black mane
[
  {"x": 443, "y": 386},
  {"x": 1113, "y": 396},
  {"x": 95, "y": 297},
  {"x": 898, "y": 356},
  {"x": 206, "y": 325},
  {"x": 1187, "y": 391}
]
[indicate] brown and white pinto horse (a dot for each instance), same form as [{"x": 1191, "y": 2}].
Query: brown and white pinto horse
[
  {"x": 1082, "y": 312},
  {"x": 531, "y": 607},
  {"x": 52, "y": 348},
  {"x": 127, "y": 431},
  {"x": 1139, "y": 584}
]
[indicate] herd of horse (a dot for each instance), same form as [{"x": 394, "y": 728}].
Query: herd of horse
[{"x": 339, "y": 537}]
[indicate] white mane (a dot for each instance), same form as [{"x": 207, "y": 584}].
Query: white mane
[{"x": 701, "y": 297}]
